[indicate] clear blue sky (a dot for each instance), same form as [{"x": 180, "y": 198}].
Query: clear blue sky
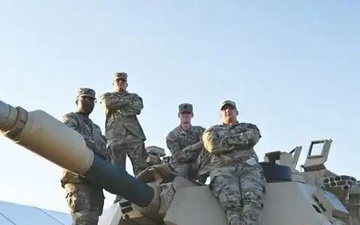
[{"x": 291, "y": 66}]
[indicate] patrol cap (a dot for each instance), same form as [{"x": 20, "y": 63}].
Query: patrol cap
[
  {"x": 85, "y": 92},
  {"x": 120, "y": 75},
  {"x": 185, "y": 107},
  {"x": 228, "y": 102}
]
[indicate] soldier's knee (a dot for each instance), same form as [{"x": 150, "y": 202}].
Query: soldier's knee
[
  {"x": 202, "y": 178},
  {"x": 77, "y": 200},
  {"x": 252, "y": 200},
  {"x": 139, "y": 151},
  {"x": 180, "y": 169},
  {"x": 229, "y": 199}
]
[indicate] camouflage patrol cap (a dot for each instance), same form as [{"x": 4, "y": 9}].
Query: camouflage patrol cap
[
  {"x": 185, "y": 107},
  {"x": 120, "y": 75},
  {"x": 85, "y": 92},
  {"x": 228, "y": 102}
]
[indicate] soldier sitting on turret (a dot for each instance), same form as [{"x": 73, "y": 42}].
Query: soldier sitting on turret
[
  {"x": 85, "y": 200},
  {"x": 237, "y": 179},
  {"x": 185, "y": 144}
]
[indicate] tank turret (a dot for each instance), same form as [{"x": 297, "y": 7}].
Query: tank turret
[{"x": 159, "y": 196}]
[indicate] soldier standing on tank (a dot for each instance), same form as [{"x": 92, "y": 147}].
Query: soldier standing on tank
[
  {"x": 185, "y": 144},
  {"x": 237, "y": 179},
  {"x": 85, "y": 200},
  {"x": 124, "y": 134}
]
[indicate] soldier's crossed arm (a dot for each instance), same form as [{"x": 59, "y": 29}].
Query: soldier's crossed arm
[
  {"x": 250, "y": 137},
  {"x": 195, "y": 147},
  {"x": 111, "y": 101},
  {"x": 136, "y": 103},
  {"x": 213, "y": 143},
  {"x": 70, "y": 121}
]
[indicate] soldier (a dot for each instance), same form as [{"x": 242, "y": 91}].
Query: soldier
[
  {"x": 124, "y": 134},
  {"x": 185, "y": 144},
  {"x": 85, "y": 200},
  {"x": 237, "y": 179}
]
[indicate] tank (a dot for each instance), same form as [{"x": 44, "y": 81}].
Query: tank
[{"x": 158, "y": 196}]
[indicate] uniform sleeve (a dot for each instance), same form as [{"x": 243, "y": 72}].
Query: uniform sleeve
[
  {"x": 107, "y": 150},
  {"x": 136, "y": 103},
  {"x": 194, "y": 147},
  {"x": 247, "y": 135},
  {"x": 172, "y": 144},
  {"x": 70, "y": 121},
  {"x": 111, "y": 101},
  {"x": 130, "y": 104},
  {"x": 197, "y": 146},
  {"x": 251, "y": 136},
  {"x": 99, "y": 131},
  {"x": 213, "y": 143}
]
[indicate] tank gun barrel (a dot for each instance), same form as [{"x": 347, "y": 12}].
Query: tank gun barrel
[
  {"x": 49, "y": 138},
  {"x": 4, "y": 114}
]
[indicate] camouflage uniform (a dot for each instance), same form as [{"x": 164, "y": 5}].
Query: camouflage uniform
[
  {"x": 85, "y": 200},
  {"x": 203, "y": 162},
  {"x": 185, "y": 147},
  {"x": 237, "y": 178},
  {"x": 124, "y": 133}
]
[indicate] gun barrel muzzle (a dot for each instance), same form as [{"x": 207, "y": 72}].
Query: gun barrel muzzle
[{"x": 4, "y": 115}]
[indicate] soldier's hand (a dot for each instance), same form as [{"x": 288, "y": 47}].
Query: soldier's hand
[
  {"x": 180, "y": 156},
  {"x": 176, "y": 156}
]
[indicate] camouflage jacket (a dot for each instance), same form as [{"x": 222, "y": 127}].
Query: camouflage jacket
[
  {"x": 93, "y": 138},
  {"x": 185, "y": 146},
  {"x": 231, "y": 145},
  {"x": 121, "y": 110}
]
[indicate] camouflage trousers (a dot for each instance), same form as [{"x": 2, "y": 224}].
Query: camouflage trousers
[
  {"x": 189, "y": 170},
  {"x": 239, "y": 192},
  {"x": 203, "y": 160},
  {"x": 135, "y": 151},
  {"x": 85, "y": 203}
]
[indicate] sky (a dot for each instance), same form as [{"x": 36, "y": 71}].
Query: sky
[{"x": 292, "y": 67}]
